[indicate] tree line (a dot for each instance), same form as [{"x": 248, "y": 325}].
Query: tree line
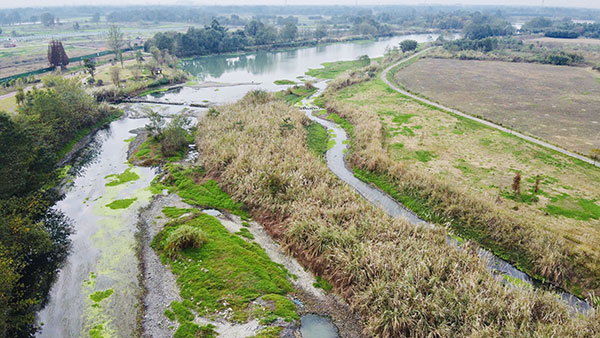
[{"x": 34, "y": 238}]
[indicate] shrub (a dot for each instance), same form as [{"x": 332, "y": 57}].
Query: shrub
[{"x": 184, "y": 237}]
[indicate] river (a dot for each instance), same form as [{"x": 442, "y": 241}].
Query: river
[{"x": 98, "y": 290}]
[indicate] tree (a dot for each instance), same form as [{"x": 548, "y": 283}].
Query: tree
[
  {"x": 76, "y": 26},
  {"x": 96, "y": 17},
  {"x": 56, "y": 54},
  {"x": 408, "y": 45},
  {"x": 152, "y": 67},
  {"x": 47, "y": 19},
  {"x": 20, "y": 96},
  {"x": 139, "y": 57},
  {"x": 174, "y": 136},
  {"x": 90, "y": 66},
  {"x": 289, "y": 32},
  {"x": 364, "y": 60},
  {"x": 155, "y": 126},
  {"x": 115, "y": 42},
  {"x": 320, "y": 32},
  {"x": 516, "y": 186},
  {"x": 135, "y": 71},
  {"x": 156, "y": 55},
  {"x": 115, "y": 76}
]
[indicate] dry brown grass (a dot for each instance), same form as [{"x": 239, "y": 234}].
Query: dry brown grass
[
  {"x": 404, "y": 281},
  {"x": 556, "y": 103}
]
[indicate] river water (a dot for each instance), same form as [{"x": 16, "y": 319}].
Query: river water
[{"x": 98, "y": 290}]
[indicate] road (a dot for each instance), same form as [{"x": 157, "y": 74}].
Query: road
[{"x": 482, "y": 121}]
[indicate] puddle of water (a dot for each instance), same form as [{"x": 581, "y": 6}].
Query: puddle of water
[{"x": 315, "y": 326}]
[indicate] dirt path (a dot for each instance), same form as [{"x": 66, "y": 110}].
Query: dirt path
[{"x": 476, "y": 119}]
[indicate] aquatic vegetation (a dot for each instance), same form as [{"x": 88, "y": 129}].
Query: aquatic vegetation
[
  {"x": 98, "y": 296},
  {"x": 121, "y": 204},
  {"x": 284, "y": 82},
  {"x": 127, "y": 176},
  {"x": 317, "y": 138}
]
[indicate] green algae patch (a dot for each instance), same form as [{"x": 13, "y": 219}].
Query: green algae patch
[
  {"x": 97, "y": 331},
  {"x": 226, "y": 272},
  {"x": 323, "y": 284},
  {"x": 517, "y": 282},
  {"x": 129, "y": 140},
  {"x": 98, "y": 296},
  {"x": 124, "y": 177},
  {"x": 122, "y": 204}
]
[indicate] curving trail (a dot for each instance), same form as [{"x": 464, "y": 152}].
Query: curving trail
[{"x": 473, "y": 118}]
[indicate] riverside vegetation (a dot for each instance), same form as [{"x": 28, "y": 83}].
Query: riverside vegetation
[
  {"x": 457, "y": 173},
  {"x": 34, "y": 238},
  {"x": 403, "y": 280}
]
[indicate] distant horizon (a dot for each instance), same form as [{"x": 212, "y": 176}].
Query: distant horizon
[{"x": 579, "y": 4}]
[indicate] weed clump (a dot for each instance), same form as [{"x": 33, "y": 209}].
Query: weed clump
[{"x": 184, "y": 237}]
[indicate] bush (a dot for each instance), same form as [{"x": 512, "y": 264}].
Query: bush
[{"x": 184, "y": 237}]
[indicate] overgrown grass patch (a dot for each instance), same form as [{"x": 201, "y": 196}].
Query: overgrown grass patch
[
  {"x": 225, "y": 272},
  {"x": 174, "y": 212},
  {"x": 576, "y": 208}
]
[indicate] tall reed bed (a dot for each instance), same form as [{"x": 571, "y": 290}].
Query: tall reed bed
[
  {"x": 404, "y": 281},
  {"x": 536, "y": 251}
]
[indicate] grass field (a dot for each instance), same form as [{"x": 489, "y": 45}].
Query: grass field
[
  {"x": 483, "y": 161},
  {"x": 557, "y": 104}
]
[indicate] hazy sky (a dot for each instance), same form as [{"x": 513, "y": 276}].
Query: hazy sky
[{"x": 557, "y": 3}]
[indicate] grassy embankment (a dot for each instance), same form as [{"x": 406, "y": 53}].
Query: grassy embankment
[
  {"x": 403, "y": 280},
  {"x": 458, "y": 173}
]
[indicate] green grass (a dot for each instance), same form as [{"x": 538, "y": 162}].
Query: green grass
[
  {"x": 284, "y": 82},
  {"x": 424, "y": 155},
  {"x": 174, "y": 212},
  {"x": 528, "y": 198},
  {"x": 402, "y": 118},
  {"x": 124, "y": 177},
  {"x": 225, "y": 268},
  {"x": 244, "y": 232},
  {"x": 576, "y": 208},
  {"x": 317, "y": 138},
  {"x": 347, "y": 126},
  {"x": 331, "y": 70},
  {"x": 323, "y": 284},
  {"x": 121, "y": 204},
  {"x": 205, "y": 195},
  {"x": 283, "y": 307},
  {"x": 269, "y": 332},
  {"x": 169, "y": 314},
  {"x": 98, "y": 296},
  {"x": 517, "y": 282},
  {"x": 295, "y": 94}
]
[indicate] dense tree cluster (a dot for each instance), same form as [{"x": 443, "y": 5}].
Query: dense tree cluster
[
  {"x": 34, "y": 239},
  {"x": 215, "y": 38},
  {"x": 566, "y": 29}
]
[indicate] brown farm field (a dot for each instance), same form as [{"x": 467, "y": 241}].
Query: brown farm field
[{"x": 554, "y": 103}]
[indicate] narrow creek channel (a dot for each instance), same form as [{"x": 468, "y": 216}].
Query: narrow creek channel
[{"x": 336, "y": 161}]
